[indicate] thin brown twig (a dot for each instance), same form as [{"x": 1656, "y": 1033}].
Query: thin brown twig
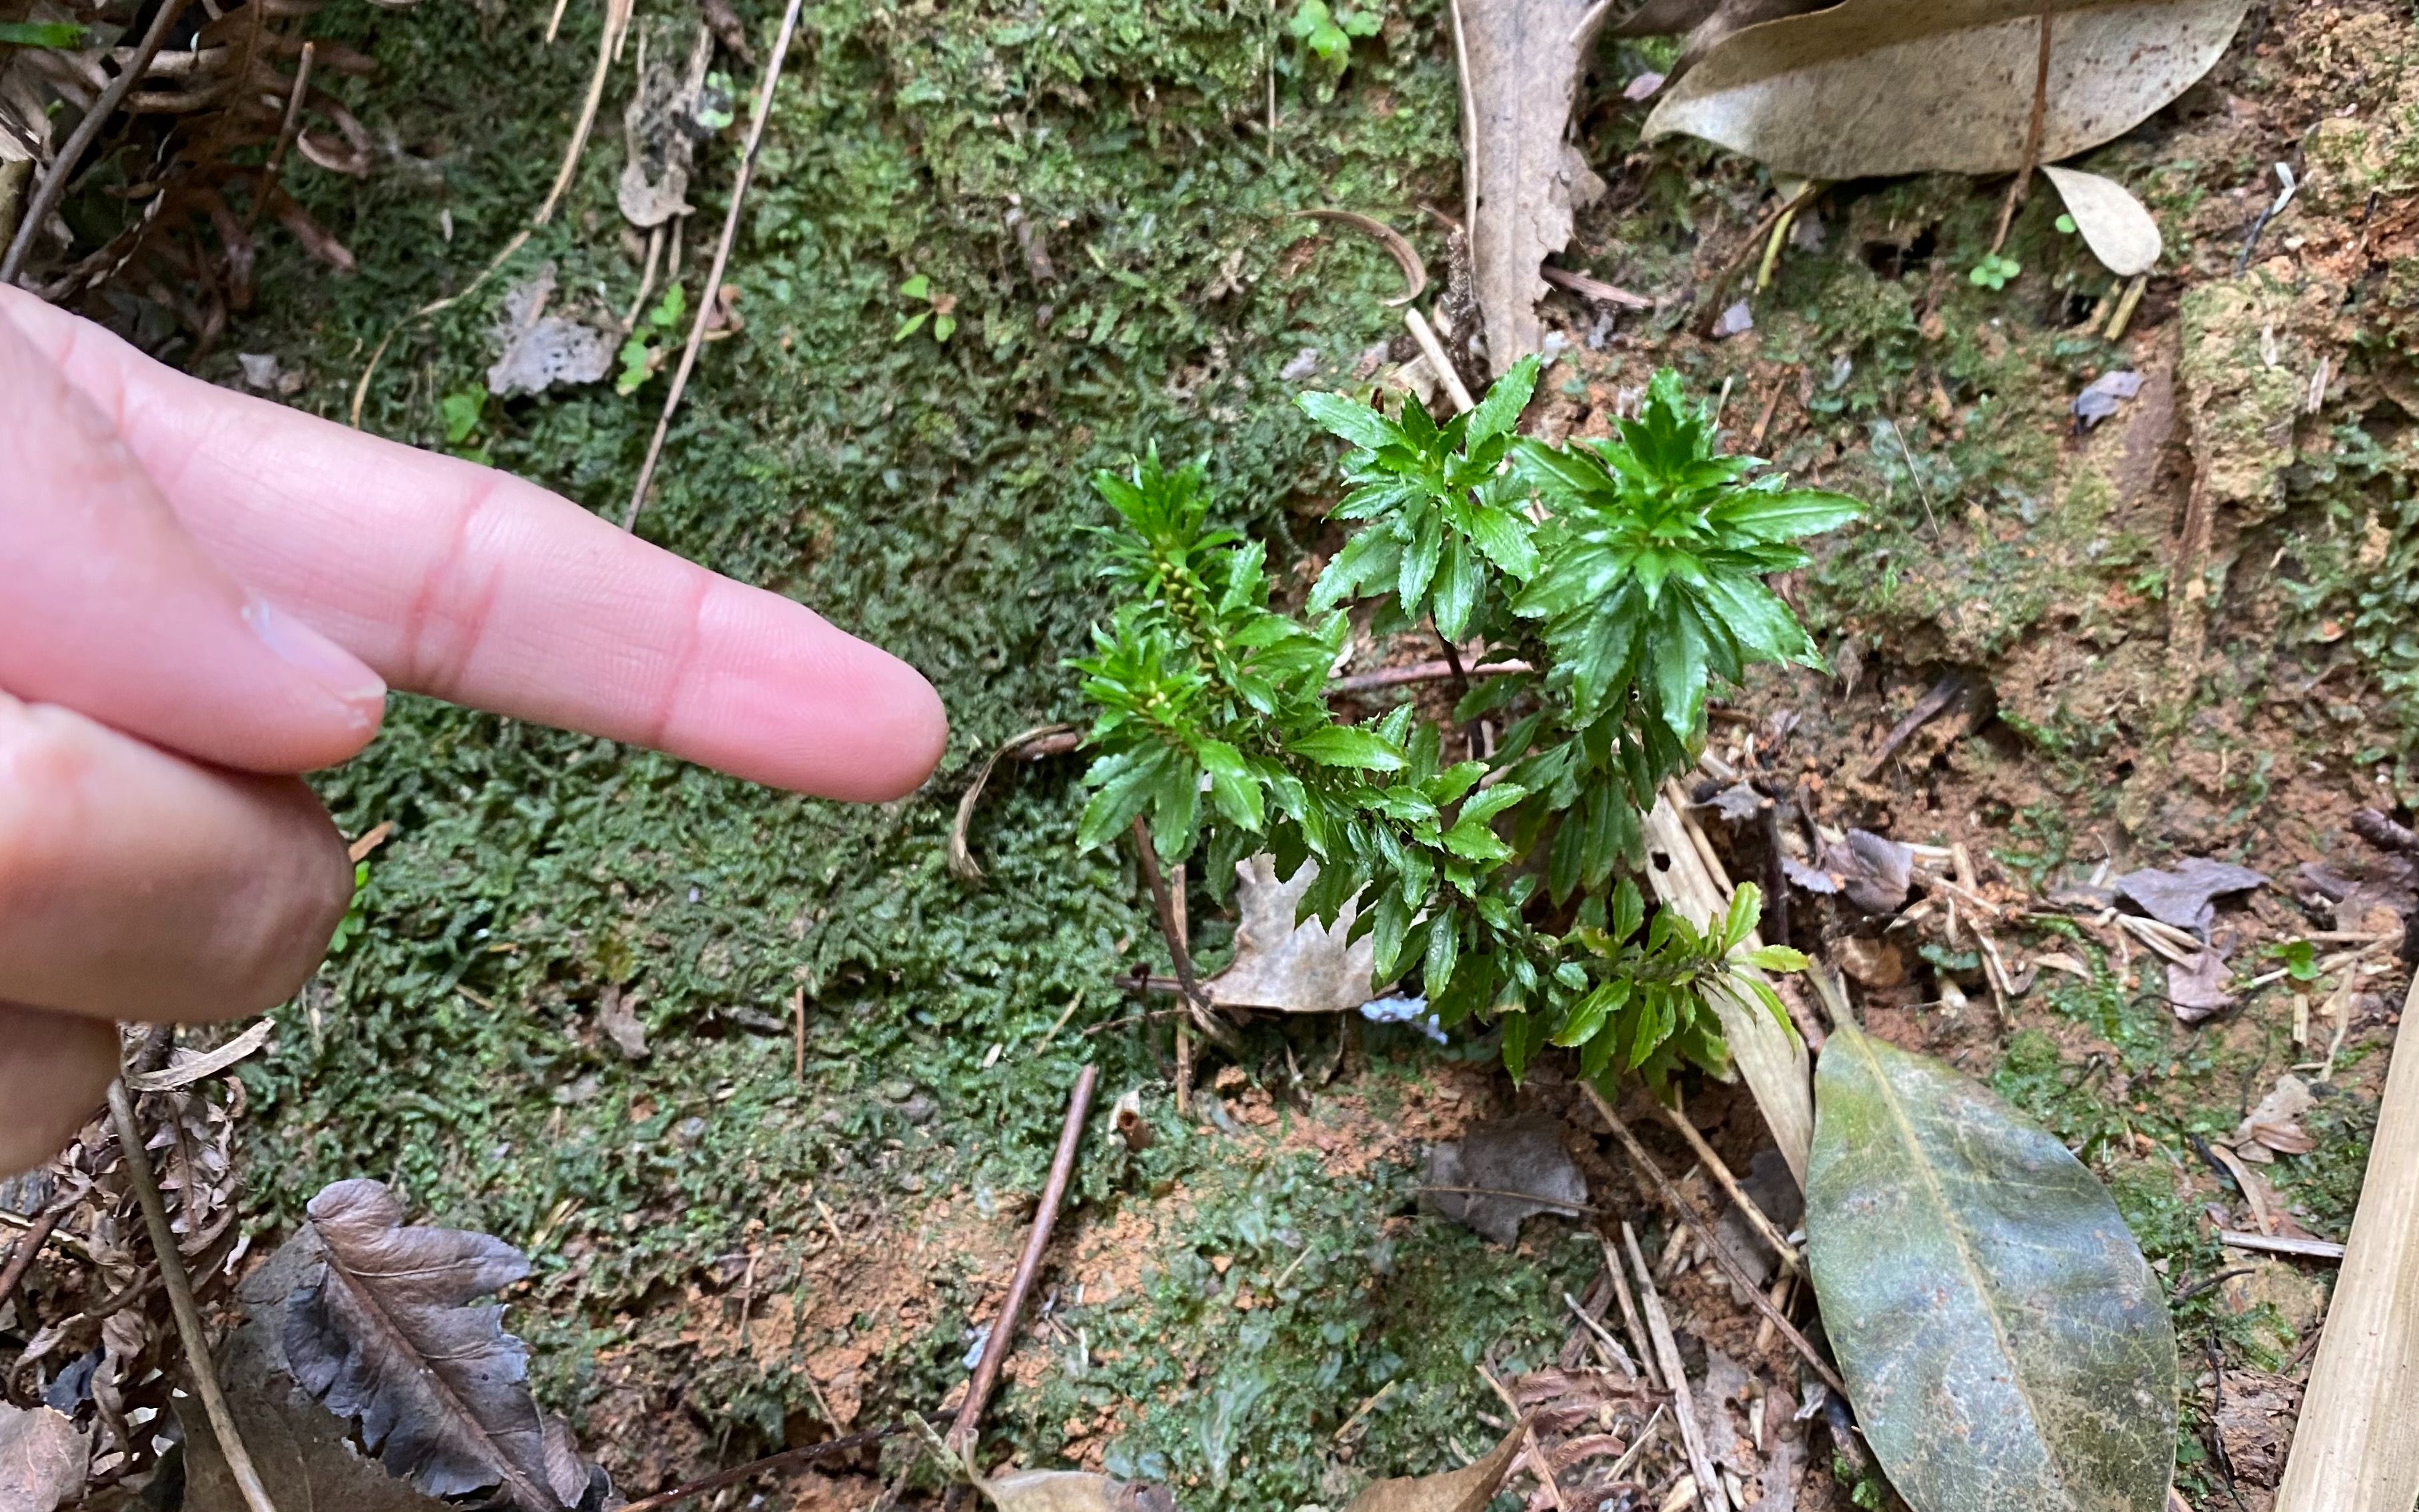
[
  {"x": 1676, "y": 1377},
  {"x": 1002, "y": 1335},
  {"x": 1755, "y": 240},
  {"x": 54, "y": 186},
  {"x": 1539, "y": 1466},
  {"x": 1765, "y": 1228},
  {"x": 180, "y": 1301},
  {"x": 1542, "y": 1200},
  {"x": 1419, "y": 672},
  {"x": 1723, "y": 1256},
  {"x": 21, "y": 1259},
  {"x": 712, "y": 298},
  {"x": 2017, "y": 190},
  {"x": 1629, "y": 1318},
  {"x": 286, "y": 131}
]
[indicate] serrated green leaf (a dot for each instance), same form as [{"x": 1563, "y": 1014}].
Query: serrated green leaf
[
  {"x": 1457, "y": 585},
  {"x": 1787, "y": 515},
  {"x": 1484, "y": 807},
  {"x": 1502, "y": 537},
  {"x": 1419, "y": 562},
  {"x": 1444, "y": 952},
  {"x": 1474, "y": 841},
  {"x": 1232, "y": 788},
  {"x": 1588, "y": 1015},
  {"x": 1499, "y": 410},
  {"x": 1628, "y": 910},
  {"x": 1343, "y": 745},
  {"x": 1776, "y": 958},
  {"x": 1126, "y": 781},
  {"x": 1355, "y": 422},
  {"x": 2003, "y": 1339}
]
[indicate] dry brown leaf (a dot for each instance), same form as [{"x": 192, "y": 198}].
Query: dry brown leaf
[
  {"x": 2275, "y": 1128},
  {"x": 1466, "y": 1489},
  {"x": 1506, "y": 1172},
  {"x": 2200, "y": 989},
  {"x": 1071, "y": 1490},
  {"x": 42, "y": 1456},
  {"x": 2184, "y": 897},
  {"x": 537, "y": 351},
  {"x": 1281, "y": 966},
  {"x": 387, "y": 1334},
  {"x": 2115, "y": 226},
  {"x": 1874, "y": 87},
  {"x": 1708, "y": 22},
  {"x": 1522, "y": 61}
]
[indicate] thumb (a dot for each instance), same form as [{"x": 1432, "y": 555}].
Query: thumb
[{"x": 112, "y": 609}]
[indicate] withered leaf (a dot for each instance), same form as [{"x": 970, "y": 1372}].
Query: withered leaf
[
  {"x": 1466, "y": 1489},
  {"x": 1507, "y": 1172},
  {"x": 2274, "y": 1126},
  {"x": 388, "y": 1335},
  {"x": 2114, "y": 223},
  {"x": 2004, "y": 1341},
  {"x": 537, "y": 351},
  {"x": 1874, "y": 872},
  {"x": 1285, "y": 967},
  {"x": 1521, "y": 62},
  {"x": 2183, "y": 896},
  {"x": 1073, "y": 1491},
  {"x": 2199, "y": 990},
  {"x": 42, "y": 1456},
  {"x": 1876, "y": 87}
]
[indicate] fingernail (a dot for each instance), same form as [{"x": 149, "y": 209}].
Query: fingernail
[{"x": 319, "y": 658}]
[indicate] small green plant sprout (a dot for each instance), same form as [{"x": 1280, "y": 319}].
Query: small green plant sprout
[
  {"x": 649, "y": 341},
  {"x": 50, "y": 33},
  {"x": 940, "y": 309},
  {"x": 461, "y": 413},
  {"x": 348, "y": 928},
  {"x": 1326, "y": 31},
  {"x": 2065, "y": 224},
  {"x": 2299, "y": 958},
  {"x": 1997, "y": 270},
  {"x": 1506, "y": 882}
]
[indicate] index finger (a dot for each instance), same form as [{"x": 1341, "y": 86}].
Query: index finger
[{"x": 480, "y": 588}]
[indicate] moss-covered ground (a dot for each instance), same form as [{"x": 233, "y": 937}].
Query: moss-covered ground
[{"x": 929, "y": 496}]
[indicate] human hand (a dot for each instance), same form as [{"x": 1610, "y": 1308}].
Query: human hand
[{"x": 203, "y": 594}]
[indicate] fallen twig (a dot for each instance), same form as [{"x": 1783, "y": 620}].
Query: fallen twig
[
  {"x": 1559, "y": 1204},
  {"x": 2383, "y": 833},
  {"x": 54, "y": 186},
  {"x": 2017, "y": 190},
  {"x": 1003, "y": 1328},
  {"x": 711, "y": 299},
  {"x": 1594, "y": 288},
  {"x": 1407, "y": 257},
  {"x": 1041, "y": 740},
  {"x": 1765, "y": 1228},
  {"x": 1728, "y": 1262},
  {"x": 1629, "y": 1317},
  {"x": 21, "y": 1259},
  {"x": 1419, "y": 672},
  {"x": 1675, "y": 1376},
  {"x": 180, "y": 1301},
  {"x": 1434, "y": 350},
  {"x": 2307, "y": 1249},
  {"x": 1934, "y": 702}
]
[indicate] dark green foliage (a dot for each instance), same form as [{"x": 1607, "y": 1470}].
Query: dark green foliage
[{"x": 1644, "y": 582}]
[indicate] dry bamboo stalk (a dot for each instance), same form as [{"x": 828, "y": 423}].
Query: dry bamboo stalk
[
  {"x": 1769, "y": 1054},
  {"x": 2353, "y": 1450}
]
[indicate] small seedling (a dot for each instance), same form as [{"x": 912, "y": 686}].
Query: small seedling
[
  {"x": 2065, "y": 224},
  {"x": 643, "y": 352},
  {"x": 462, "y": 412},
  {"x": 51, "y": 34},
  {"x": 1995, "y": 271},
  {"x": 714, "y": 103},
  {"x": 938, "y": 308},
  {"x": 1508, "y": 884},
  {"x": 2299, "y": 958},
  {"x": 1328, "y": 31},
  {"x": 349, "y": 928}
]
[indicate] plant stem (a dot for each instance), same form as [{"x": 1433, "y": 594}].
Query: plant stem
[
  {"x": 721, "y": 1478},
  {"x": 1164, "y": 903},
  {"x": 2032, "y": 141},
  {"x": 22, "y": 1259},
  {"x": 180, "y": 1301},
  {"x": 1003, "y": 1329}
]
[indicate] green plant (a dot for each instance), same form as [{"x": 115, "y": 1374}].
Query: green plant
[
  {"x": 461, "y": 413},
  {"x": 938, "y": 308},
  {"x": 356, "y": 913},
  {"x": 643, "y": 352},
  {"x": 1997, "y": 270},
  {"x": 1495, "y": 878},
  {"x": 1328, "y": 31}
]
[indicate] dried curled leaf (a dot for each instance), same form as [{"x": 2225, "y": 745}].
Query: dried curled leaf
[
  {"x": 1872, "y": 88},
  {"x": 1499, "y": 1175},
  {"x": 1282, "y": 966},
  {"x": 2004, "y": 1341},
  {"x": 388, "y": 1336},
  {"x": 2115, "y": 226},
  {"x": 42, "y": 1456},
  {"x": 1073, "y": 1491},
  {"x": 1466, "y": 1489}
]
